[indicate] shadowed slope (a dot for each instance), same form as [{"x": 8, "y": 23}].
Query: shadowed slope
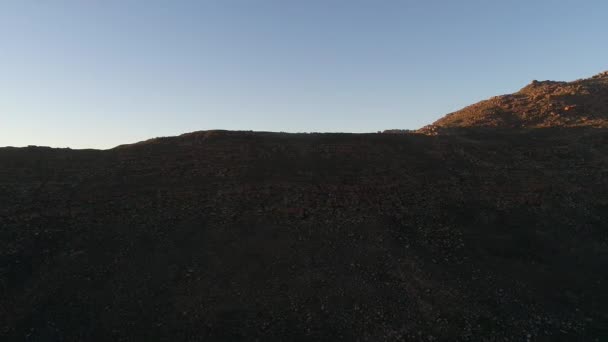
[
  {"x": 244, "y": 235},
  {"x": 496, "y": 232}
]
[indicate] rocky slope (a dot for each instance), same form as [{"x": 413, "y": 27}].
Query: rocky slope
[
  {"x": 582, "y": 103},
  {"x": 484, "y": 235}
]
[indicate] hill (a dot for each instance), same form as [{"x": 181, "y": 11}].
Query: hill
[
  {"x": 482, "y": 235},
  {"x": 582, "y": 103}
]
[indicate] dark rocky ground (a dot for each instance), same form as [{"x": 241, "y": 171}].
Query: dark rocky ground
[
  {"x": 485, "y": 235},
  {"x": 489, "y": 225}
]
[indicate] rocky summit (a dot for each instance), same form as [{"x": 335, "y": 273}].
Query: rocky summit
[
  {"x": 493, "y": 231},
  {"x": 582, "y": 103}
]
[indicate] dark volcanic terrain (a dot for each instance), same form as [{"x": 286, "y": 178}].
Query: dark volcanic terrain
[{"x": 496, "y": 230}]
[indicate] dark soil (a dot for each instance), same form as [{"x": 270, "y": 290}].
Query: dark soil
[{"x": 483, "y": 234}]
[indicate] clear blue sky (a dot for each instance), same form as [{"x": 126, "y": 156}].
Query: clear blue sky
[{"x": 98, "y": 73}]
